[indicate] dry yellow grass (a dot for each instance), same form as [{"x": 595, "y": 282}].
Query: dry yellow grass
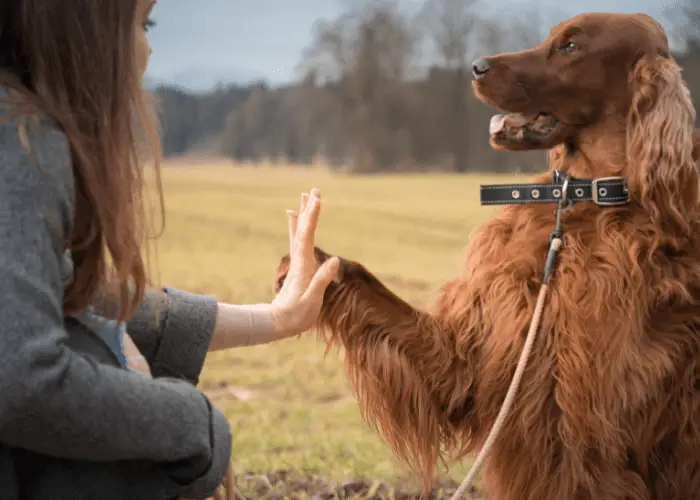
[{"x": 290, "y": 405}]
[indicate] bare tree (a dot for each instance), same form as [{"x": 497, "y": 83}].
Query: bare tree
[
  {"x": 450, "y": 27},
  {"x": 368, "y": 52}
]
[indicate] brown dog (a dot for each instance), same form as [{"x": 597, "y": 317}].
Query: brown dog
[{"x": 609, "y": 406}]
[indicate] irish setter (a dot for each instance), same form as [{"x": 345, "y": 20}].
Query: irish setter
[{"x": 609, "y": 406}]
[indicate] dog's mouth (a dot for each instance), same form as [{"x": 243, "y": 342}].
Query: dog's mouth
[{"x": 517, "y": 127}]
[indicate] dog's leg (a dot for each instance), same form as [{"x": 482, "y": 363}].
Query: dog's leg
[{"x": 402, "y": 362}]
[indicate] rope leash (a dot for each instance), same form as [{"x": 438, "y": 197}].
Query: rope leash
[
  {"x": 514, "y": 384},
  {"x": 554, "y": 247}
]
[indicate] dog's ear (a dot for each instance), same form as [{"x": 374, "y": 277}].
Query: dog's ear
[{"x": 660, "y": 144}]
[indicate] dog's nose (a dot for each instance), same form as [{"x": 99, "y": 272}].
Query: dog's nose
[{"x": 480, "y": 68}]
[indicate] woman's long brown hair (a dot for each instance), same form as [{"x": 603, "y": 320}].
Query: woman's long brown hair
[{"x": 75, "y": 61}]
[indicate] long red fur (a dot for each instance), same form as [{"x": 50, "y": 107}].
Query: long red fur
[{"x": 609, "y": 406}]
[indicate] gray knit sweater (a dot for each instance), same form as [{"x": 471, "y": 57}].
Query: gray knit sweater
[{"x": 73, "y": 425}]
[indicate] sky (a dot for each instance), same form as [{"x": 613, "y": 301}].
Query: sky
[{"x": 197, "y": 44}]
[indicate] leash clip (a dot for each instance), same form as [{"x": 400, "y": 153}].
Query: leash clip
[
  {"x": 557, "y": 233},
  {"x": 553, "y": 249},
  {"x": 564, "y": 203}
]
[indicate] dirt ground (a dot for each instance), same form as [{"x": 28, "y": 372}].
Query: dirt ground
[{"x": 286, "y": 484}]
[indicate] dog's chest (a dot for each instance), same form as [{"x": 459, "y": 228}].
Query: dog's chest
[{"x": 592, "y": 352}]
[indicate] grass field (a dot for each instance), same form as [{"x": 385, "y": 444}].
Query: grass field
[{"x": 289, "y": 404}]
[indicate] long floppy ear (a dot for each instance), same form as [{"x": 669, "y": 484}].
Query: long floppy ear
[{"x": 660, "y": 142}]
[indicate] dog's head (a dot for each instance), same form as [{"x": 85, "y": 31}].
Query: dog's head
[
  {"x": 583, "y": 72},
  {"x": 605, "y": 82}
]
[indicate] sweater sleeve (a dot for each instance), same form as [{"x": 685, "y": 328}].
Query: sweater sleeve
[
  {"x": 54, "y": 401},
  {"x": 173, "y": 329}
]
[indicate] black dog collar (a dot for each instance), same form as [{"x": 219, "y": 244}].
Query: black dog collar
[{"x": 605, "y": 191}]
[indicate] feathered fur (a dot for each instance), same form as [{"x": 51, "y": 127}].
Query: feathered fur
[{"x": 609, "y": 406}]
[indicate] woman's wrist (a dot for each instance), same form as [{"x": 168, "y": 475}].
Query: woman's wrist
[{"x": 244, "y": 325}]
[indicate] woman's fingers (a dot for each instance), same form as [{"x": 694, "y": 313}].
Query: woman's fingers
[
  {"x": 303, "y": 205},
  {"x": 306, "y": 229},
  {"x": 304, "y": 202},
  {"x": 292, "y": 221},
  {"x": 303, "y": 261}
]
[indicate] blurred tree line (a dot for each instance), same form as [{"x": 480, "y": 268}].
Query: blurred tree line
[{"x": 383, "y": 89}]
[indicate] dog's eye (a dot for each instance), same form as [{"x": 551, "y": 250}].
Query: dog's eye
[{"x": 569, "y": 47}]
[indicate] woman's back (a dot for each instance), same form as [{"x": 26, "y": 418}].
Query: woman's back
[
  {"x": 74, "y": 423},
  {"x": 64, "y": 393}
]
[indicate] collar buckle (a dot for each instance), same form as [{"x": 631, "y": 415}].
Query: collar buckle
[{"x": 597, "y": 192}]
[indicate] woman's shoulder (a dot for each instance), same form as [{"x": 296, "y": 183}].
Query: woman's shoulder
[
  {"x": 36, "y": 170},
  {"x": 27, "y": 131},
  {"x": 33, "y": 149}
]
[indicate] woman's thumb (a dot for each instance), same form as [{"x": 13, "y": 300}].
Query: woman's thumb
[{"x": 324, "y": 275}]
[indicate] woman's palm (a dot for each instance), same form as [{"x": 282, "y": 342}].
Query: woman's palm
[{"x": 298, "y": 303}]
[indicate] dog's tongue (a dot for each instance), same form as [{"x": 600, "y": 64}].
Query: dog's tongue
[{"x": 496, "y": 124}]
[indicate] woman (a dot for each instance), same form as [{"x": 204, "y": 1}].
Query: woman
[{"x": 74, "y": 423}]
